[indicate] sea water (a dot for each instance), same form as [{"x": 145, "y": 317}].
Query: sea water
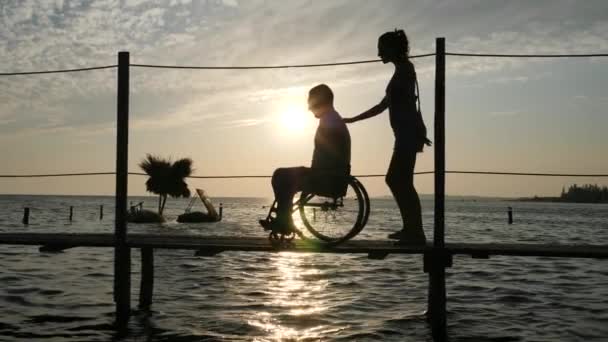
[{"x": 246, "y": 296}]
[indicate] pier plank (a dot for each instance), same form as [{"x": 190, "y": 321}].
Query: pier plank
[
  {"x": 216, "y": 244},
  {"x": 58, "y": 239}
]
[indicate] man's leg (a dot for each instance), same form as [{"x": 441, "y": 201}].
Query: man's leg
[{"x": 286, "y": 182}]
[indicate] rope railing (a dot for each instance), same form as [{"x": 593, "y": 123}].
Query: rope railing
[
  {"x": 537, "y": 174},
  {"x": 459, "y": 54},
  {"x": 251, "y": 67},
  {"x": 205, "y": 67},
  {"x": 269, "y": 66},
  {"x": 526, "y": 55},
  {"x": 57, "y": 71}
]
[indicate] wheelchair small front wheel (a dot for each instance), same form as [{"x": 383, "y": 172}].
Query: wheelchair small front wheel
[{"x": 335, "y": 220}]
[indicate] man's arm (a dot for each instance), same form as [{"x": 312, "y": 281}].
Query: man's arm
[{"x": 375, "y": 110}]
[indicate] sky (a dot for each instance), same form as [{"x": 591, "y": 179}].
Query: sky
[{"x": 521, "y": 115}]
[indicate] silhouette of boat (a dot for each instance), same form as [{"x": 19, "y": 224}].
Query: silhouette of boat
[
  {"x": 198, "y": 216},
  {"x": 144, "y": 216}
]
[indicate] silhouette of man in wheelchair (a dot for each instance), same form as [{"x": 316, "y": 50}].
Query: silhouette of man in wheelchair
[{"x": 328, "y": 174}]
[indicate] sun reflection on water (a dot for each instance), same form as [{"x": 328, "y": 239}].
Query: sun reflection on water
[{"x": 298, "y": 300}]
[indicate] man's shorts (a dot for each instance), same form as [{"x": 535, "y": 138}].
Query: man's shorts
[{"x": 327, "y": 184}]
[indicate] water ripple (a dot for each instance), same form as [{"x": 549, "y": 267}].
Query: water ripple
[{"x": 308, "y": 297}]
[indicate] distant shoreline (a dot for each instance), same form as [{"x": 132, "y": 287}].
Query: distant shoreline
[
  {"x": 539, "y": 199},
  {"x": 554, "y": 200}
]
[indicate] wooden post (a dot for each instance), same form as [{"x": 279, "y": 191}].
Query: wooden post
[
  {"x": 122, "y": 253},
  {"x": 221, "y": 211},
  {"x": 510, "y": 214},
  {"x": 146, "y": 288},
  {"x": 26, "y": 216},
  {"x": 101, "y": 212},
  {"x": 71, "y": 213},
  {"x": 438, "y": 258}
]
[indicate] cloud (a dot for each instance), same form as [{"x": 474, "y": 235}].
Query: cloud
[
  {"x": 506, "y": 113},
  {"x": 65, "y": 34},
  {"x": 546, "y": 39},
  {"x": 245, "y": 123}
]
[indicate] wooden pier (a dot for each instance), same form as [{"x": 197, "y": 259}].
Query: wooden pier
[{"x": 210, "y": 245}]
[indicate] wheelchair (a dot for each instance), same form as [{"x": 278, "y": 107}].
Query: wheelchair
[{"x": 334, "y": 213}]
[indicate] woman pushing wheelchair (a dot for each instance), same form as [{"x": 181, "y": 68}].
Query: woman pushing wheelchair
[{"x": 410, "y": 133}]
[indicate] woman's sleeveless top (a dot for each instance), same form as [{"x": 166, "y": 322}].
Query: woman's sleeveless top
[{"x": 405, "y": 118}]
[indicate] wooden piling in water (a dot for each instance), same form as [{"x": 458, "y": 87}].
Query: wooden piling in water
[
  {"x": 101, "y": 212},
  {"x": 510, "y": 214},
  {"x": 122, "y": 252},
  {"x": 26, "y": 216},
  {"x": 436, "y": 262},
  {"x": 71, "y": 216},
  {"x": 146, "y": 288}
]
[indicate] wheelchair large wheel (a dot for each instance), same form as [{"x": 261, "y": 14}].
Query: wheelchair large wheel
[
  {"x": 366, "y": 203},
  {"x": 335, "y": 220}
]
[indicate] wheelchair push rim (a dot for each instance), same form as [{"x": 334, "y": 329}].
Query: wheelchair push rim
[{"x": 335, "y": 220}]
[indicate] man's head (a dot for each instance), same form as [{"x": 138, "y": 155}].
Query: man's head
[{"x": 320, "y": 100}]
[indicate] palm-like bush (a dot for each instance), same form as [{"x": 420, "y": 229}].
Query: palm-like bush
[{"x": 166, "y": 178}]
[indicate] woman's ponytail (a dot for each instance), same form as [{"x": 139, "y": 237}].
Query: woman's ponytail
[{"x": 403, "y": 43}]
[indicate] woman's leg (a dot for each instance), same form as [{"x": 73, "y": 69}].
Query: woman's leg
[
  {"x": 396, "y": 184},
  {"x": 400, "y": 179}
]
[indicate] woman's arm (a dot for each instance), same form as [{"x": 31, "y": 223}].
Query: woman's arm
[{"x": 375, "y": 110}]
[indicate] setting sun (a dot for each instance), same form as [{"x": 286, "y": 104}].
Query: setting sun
[{"x": 294, "y": 119}]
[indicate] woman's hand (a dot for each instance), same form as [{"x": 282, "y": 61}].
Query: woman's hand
[{"x": 375, "y": 110}]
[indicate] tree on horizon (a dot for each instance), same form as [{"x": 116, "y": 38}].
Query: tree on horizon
[
  {"x": 166, "y": 178},
  {"x": 587, "y": 193}
]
